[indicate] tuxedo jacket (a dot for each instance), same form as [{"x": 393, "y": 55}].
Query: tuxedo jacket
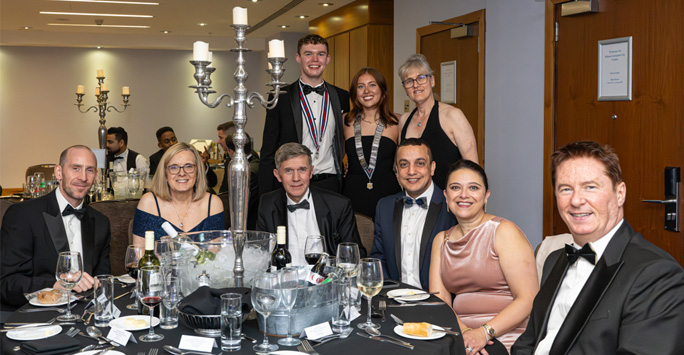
[
  {"x": 387, "y": 239},
  {"x": 334, "y": 216},
  {"x": 284, "y": 125},
  {"x": 632, "y": 303},
  {"x": 31, "y": 238}
]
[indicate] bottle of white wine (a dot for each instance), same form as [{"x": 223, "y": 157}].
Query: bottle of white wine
[{"x": 280, "y": 257}]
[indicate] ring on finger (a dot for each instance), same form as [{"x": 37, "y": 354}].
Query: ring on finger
[{"x": 470, "y": 350}]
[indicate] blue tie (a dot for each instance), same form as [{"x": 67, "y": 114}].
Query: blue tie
[{"x": 420, "y": 201}]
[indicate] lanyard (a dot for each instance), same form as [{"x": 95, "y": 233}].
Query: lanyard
[
  {"x": 316, "y": 132},
  {"x": 368, "y": 169}
]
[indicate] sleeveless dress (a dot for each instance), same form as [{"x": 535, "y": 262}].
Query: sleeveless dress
[
  {"x": 143, "y": 221},
  {"x": 470, "y": 270},
  {"x": 444, "y": 152},
  {"x": 384, "y": 181}
]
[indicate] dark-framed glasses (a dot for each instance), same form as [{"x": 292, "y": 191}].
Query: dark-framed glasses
[
  {"x": 175, "y": 169},
  {"x": 420, "y": 80}
]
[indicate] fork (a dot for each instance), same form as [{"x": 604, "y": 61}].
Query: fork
[
  {"x": 382, "y": 306},
  {"x": 307, "y": 348},
  {"x": 27, "y": 325},
  {"x": 141, "y": 353},
  {"x": 153, "y": 351},
  {"x": 46, "y": 309}
]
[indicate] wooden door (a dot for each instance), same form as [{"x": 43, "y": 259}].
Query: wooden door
[
  {"x": 646, "y": 132},
  {"x": 435, "y": 42}
]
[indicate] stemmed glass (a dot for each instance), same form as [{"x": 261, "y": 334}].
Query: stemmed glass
[
  {"x": 265, "y": 299},
  {"x": 289, "y": 280},
  {"x": 348, "y": 260},
  {"x": 313, "y": 248},
  {"x": 369, "y": 282},
  {"x": 69, "y": 272},
  {"x": 150, "y": 289},
  {"x": 132, "y": 261}
]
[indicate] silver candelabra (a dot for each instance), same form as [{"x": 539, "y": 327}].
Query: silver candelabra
[
  {"x": 102, "y": 95},
  {"x": 239, "y": 171}
]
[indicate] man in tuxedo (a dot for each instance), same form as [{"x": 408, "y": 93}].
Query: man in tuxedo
[
  {"x": 406, "y": 223},
  {"x": 124, "y": 159},
  {"x": 305, "y": 210},
  {"x": 310, "y": 113},
  {"x": 34, "y": 232},
  {"x": 618, "y": 294}
]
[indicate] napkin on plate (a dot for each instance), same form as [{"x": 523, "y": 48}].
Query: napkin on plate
[
  {"x": 59, "y": 344},
  {"x": 207, "y": 301}
]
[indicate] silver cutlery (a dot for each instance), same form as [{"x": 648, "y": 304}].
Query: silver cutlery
[
  {"x": 402, "y": 344},
  {"x": 401, "y": 322},
  {"x": 306, "y": 347},
  {"x": 382, "y": 306},
  {"x": 436, "y": 303},
  {"x": 415, "y": 295},
  {"x": 46, "y": 309},
  {"x": 153, "y": 351},
  {"x": 376, "y": 333},
  {"x": 322, "y": 340},
  {"x": 27, "y": 325},
  {"x": 248, "y": 338}
]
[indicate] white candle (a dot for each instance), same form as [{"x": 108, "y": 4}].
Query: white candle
[
  {"x": 210, "y": 57},
  {"x": 80, "y": 89},
  {"x": 105, "y": 87},
  {"x": 97, "y": 91},
  {"x": 100, "y": 73},
  {"x": 200, "y": 51},
  {"x": 239, "y": 16},
  {"x": 125, "y": 90},
  {"x": 276, "y": 48}
]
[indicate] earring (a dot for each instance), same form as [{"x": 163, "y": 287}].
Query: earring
[{"x": 485, "y": 208}]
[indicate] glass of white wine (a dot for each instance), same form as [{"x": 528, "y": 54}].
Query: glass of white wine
[
  {"x": 369, "y": 282},
  {"x": 348, "y": 260},
  {"x": 69, "y": 272}
]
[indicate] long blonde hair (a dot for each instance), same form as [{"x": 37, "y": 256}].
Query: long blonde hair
[{"x": 160, "y": 184}]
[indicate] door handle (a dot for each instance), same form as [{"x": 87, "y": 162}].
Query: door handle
[{"x": 671, "y": 201}]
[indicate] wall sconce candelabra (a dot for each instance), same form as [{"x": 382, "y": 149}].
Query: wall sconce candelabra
[
  {"x": 102, "y": 95},
  {"x": 239, "y": 171}
]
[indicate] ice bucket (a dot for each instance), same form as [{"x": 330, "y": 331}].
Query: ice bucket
[{"x": 209, "y": 256}]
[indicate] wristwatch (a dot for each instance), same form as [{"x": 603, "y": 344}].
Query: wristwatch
[{"x": 489, "y": 330}]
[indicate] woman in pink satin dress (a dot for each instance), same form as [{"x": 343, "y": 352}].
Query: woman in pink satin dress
[{"x": 485, "y": 261}]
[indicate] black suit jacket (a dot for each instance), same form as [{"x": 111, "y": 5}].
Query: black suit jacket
[
  {"x": 387, "y": 239},
  {"x": 31, "y": 238},
  {"x": 284, "y": 125},
  {"x": 334, "y": 215},
  {"x": 632, "y": 303},
  {"x": 154, "y": 160}
]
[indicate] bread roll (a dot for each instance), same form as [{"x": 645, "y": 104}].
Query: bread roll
[
  {"x": 49, "y": 296},
  {"x": 418, "y": 329}
]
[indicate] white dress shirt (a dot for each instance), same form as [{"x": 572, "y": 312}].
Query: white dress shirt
[
  {"x": 300, "y": 224},
  {"x": 571, "y": 286},
  {"x": 412, "y": 223},
  {"x": 72, "y": 225},
  {"x": 121, "y": 164},
  {"x": 325, "y": 162}
]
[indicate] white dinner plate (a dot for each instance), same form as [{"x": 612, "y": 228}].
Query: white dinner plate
[
  {"x": 110, "y": 352},
  {"x": 127, "y": 279},
  {"x": 400, "y": 331},
  {"x": 34, "y": 333},
  {"x": 407, "y": 294},
  {"x": 121, "y": 323},
  {"x": 34, "y": 301}
]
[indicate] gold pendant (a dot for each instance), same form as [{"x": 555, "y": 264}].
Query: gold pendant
[{"x": 369, "y": 185}]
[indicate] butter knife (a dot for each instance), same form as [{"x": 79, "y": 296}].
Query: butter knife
[
  {"x": 436, "y": 303},
  {"x": 402, "y": 343}
]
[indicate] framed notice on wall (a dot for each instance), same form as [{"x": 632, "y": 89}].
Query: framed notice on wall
[
  {"x": 448, "y": 82},
  {"x": 615, "y": 69}
]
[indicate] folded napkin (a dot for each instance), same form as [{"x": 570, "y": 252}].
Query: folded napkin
[
  {"x": 59, "y": 344},
  {"x": 207, "y": 301}
]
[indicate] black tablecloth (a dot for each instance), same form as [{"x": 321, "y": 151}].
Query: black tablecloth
[{"x": 440, "y": 315}]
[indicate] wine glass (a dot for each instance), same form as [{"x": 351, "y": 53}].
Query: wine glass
[
  {"x": 150, "y": 287},
  {"x": 348, "y": 260},
  {"x": 289, "y": 280},
  {"x": 313, "y": 248},
  {"x": 162, "y": 249},
  {"x": 265, "y": 299},
  {"x": 69, "y": 272},
  {"x": 132, "y": 261},
  {"x": 369, "y": 282},
  {"x": 172, "y": 296}
]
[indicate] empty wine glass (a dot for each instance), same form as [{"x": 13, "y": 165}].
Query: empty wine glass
[
  {"x": 348, "y": 260},
  {"x": 150, "y": 289},
  {"x": 289, "y": 282},
  {"x": 265, "y": 299},
  {"x": 69, "y": 272},
  {"x": 172, "y": 296},
  {"x": 369, "y": 282},
  {"x": 132, "y": 261},
  {"x": 162, "y": 249},
  {"x": 313, "y": 248}
]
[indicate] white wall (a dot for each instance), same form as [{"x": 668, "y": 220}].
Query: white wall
[{"x": 514, "y": 93}]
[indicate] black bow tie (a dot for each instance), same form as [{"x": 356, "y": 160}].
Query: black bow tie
[
  {"x": 420, "y": 201},
  {"x": 586, "y": 252},
  {"x": 78, "y": 213},
  {"x": 307, "y": 89},
  {"x": 119, "y": 157},
  {"x": 304, "y": 205}
]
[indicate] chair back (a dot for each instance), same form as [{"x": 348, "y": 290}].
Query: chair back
[
  {"x": 46, "y": 169},
  {"x": 225, "y": 198},
  {"x": 366, "y": 228},
  {"x": 550, "y": 244},
  {"x": 120, "y": 214}
]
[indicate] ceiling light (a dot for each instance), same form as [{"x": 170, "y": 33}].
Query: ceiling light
[
  {"x": 99, "y": 47},
  {"x": 254, "y": 0},
  {"x": 114, "y": 2},
  {"x": 283, "y": 26},
  {"x": 92, "y": 14},
  {"x": 25, "y": 28},
  {"x": 302, "y": 16},
  {"x": 89, "y": 25},
  {"x": 165, "y": 31},
  {"x": 326, "y": 4},
  {"x": 202, "y": 24}
]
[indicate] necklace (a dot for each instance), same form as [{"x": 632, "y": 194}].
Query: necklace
[
  {"x": 177, "y": 214},
  {"x": 420, "y": 121}
]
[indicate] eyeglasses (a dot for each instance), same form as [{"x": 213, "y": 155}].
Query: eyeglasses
[
  {"x": 175, "y": 169},
  {"x": 420, "y": 79}
]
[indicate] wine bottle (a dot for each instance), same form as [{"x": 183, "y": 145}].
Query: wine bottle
[
  {"x": 280, "y": 257},
  {"x": 110, "y": 173},
  {"x": 148, "y": 259},
  {"x": 317, "y": 275}
]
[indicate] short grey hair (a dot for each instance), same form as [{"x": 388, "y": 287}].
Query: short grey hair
[
  {"x": 291, "y": 150},
  {"x": 416, "y": 62}
]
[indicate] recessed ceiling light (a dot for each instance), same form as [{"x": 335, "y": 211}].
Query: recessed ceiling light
[
  {"x": 165, "y": 31},
  {"x": 254, "y": 0},
  {"x": 283, "y": 26},
  {"x": 202, "y": 24},
  {"x": 98, "y": 47},
  {"x": 92, "y": 14},
  {"x": 26, "y": 28},
  {"x": 90, "y": 25},
  {"x": 302, "y": 16},
  {"x": 114, "y": 2},
  {"x": 326, "y": 4}
]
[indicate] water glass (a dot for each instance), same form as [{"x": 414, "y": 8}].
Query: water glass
[
  {"x": 168, "y": 313},
  {"x": 340, "y": 321},
  {"x": 231, "y": 321},
  {"x": 103, "y": 294},
  {"x": 289, "y": 284}
]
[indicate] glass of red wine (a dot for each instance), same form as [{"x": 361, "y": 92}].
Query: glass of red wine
[
  {"x": 132, "y": 259},
  {"x": 314, "y": 247},
  {"x": 150, "y": 289}
]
